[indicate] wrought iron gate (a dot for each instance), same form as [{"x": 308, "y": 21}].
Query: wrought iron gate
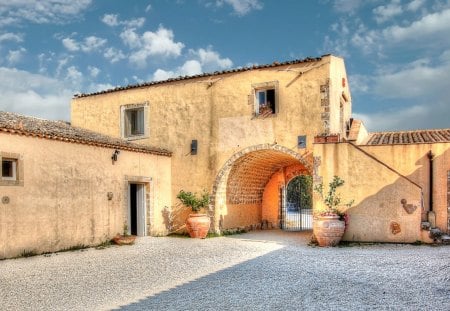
[{"x": 294, "y": 217}]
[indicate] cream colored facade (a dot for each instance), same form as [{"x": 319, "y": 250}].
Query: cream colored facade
[
  {"x": 68, "y": 193},
  {"x": 245, "y": 158},
  {"x": 218, "y": 111},
  {"x": 71, "y": 194}
]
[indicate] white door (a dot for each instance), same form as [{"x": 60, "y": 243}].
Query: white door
[{"x": 140, "y": 210}]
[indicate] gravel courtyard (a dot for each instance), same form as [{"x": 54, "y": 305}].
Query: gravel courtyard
[{"x": 263, "y": 270}]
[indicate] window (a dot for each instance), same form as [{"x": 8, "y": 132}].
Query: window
[
  {"x": 265, "y": 98},
  {"x": 265, "y": 102},
  {"x": 9, "y": 169},
  {"x": 134, "y": 121}
]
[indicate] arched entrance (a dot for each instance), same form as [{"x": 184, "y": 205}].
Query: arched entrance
[{"x": 247, "y": 190}]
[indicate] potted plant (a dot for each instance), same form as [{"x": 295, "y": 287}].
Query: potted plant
[
  {"x": 197, "y": 224},
  {"x": 125, "y": 238},
  {"x": 330, "y": 222}
]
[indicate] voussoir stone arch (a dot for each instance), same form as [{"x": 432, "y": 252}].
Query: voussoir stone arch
[{"x": 243, "y": 177}]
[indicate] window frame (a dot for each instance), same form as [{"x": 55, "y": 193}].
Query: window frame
[
  {"x": 17, "y": 178},
  {"x": 125, "y": 122},
  {"x": 14, "y": 169},
  {"x": 264, "y": 87}
]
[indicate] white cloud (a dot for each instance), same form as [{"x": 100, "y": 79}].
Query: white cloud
[
  {"x": 15, "y": 56},
  {"x": 34, "y": 94},
  {"x": 74, "y": 77},
  {"x": 241, "y": 7},
  {"x": 159, "y": 43},
  {"x": 428, "y": 27},
  {"x": 204, "y": 60},
  {"x": 9, "y": 36},
  {"x": 415, "y": 5},
  {"x": 421, "y": 116},
  {"x": 148, "y": 8},
  {"x": 418, "y": 93},
  {"x": 113, "y": 55},
  {"x": 41, "y": 12},
  {"x": 386, "y": 12},
  {"x": 93, "y": 71},
  {"x": 211, "y": 60},
  {"x": 90, "y": 44},
  {"x": 112, "y": 20},
  {"x": 70, "y": 44}
]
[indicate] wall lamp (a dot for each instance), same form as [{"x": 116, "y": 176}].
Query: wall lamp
[{"x": 115, "y": 155}]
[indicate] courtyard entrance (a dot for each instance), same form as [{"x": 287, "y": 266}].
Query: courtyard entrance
[
  {"x": 251, "y": 190},
  {"x": 296, "y": 204}
]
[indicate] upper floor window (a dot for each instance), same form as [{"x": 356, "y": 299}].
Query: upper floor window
[
  {"x": 265, "y": 102},
  {"x": 9, "y": 169},
  {"x": 134, "y": 121},
  {"x": 265, "y": 97}
]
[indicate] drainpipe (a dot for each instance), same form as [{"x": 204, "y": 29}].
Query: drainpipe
[
  {"x": 430, "y": 158},
  {"x": 431, "y": 214}
]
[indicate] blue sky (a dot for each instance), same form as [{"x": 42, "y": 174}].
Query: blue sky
[{"x": 397, "y": 52}]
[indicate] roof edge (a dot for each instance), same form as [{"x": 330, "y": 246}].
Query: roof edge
[{"x": 203, "y": 75}]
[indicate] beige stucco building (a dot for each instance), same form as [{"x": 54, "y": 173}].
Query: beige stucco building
[
  {"x": 243, "y": 135},
  {"x": 61, "y": 187}
]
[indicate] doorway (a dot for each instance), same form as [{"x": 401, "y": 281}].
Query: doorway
[
  {"x": 137, "y": 210},
  {"x": 296, "y": 204}
]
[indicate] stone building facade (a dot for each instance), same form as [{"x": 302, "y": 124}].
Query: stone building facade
[{"x": 243, "y": 134}]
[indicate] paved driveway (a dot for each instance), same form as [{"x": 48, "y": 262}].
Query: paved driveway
[{"x": 266, "y": 270}]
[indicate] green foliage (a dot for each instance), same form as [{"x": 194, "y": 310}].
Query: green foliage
[
  {"x": 299, "y": 191},
  {"x": 194, "y": 202},
  {"x": 332, "y": 199}
]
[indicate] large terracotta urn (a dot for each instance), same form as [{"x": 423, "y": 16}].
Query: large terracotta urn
[
  {"x": 197, "y": 225},
  {"x": 328, "y": 230}
]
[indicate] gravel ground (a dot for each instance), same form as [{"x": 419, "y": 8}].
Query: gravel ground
[{"x": 265, "y": 270}]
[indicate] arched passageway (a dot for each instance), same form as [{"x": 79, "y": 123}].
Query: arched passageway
[{"x": 247, "y": 190}]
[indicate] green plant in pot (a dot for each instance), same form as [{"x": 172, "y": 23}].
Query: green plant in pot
[
  {"x": 197, "y": 224},
  {"x": 330, "y": 221}
]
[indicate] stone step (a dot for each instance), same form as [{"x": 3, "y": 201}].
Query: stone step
[{"x": 425, "y": 225}]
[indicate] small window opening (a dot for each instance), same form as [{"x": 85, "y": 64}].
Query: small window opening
[
  {"x": 265, "y": 102},
  {"x": 9, "y": 169},
  {"x": 134, "y": 122}
]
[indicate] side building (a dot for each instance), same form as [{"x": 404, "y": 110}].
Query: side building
[{"x": 64, "y": 187}]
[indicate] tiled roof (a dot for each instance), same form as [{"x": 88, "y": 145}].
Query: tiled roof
[
  {"x": 203, "y": 75},
  {"x": 59, "y": 130},
  {"x": 409, "y": 137}
]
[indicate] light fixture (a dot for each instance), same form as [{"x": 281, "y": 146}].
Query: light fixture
[{"x": 114, "y": 155}]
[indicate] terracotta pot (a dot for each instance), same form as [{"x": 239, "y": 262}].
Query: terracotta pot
[
  {"x": 328, "y": 230},
  {"x": 197, "y": 225},
  {"x": 124, "y": 239}
]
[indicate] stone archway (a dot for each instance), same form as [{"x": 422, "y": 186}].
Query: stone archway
[{"x": 237, "y": 193}]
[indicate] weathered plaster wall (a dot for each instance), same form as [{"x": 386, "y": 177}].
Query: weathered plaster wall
[
  {"x": 377, "y": 191},
  {"x": 412, "y": 161},
  {"x": 218, "y": 111},
  {"x": 63, "y": 201}
]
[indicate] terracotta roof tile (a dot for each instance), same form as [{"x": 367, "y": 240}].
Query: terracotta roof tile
[
  {"x": 59, "y": 130},
  {"x": 409, "y": 137},
  {"x": 202, "y": 75}
]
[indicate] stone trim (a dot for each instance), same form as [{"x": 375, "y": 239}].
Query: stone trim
[
  {"x": 149, "y": 199},
  {"x": 325, "y": 103},
  {"x": 448, "y": 201},
  {"x": 19, "y": 181},
  {"x": 218, "y": 192}
]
